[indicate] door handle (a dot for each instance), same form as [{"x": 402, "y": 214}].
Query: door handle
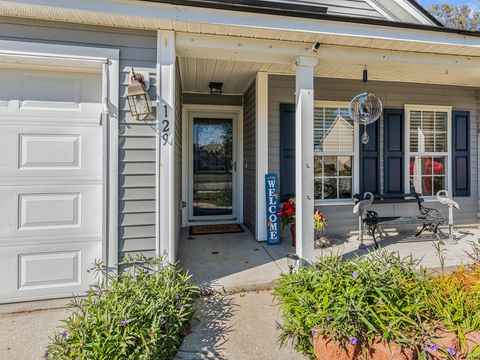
[{"x": 234, "y": 166}]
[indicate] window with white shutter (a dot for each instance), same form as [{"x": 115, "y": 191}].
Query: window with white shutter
[
  {"x": 428, "y": 148},
  {"x": 335, "y": 151}
]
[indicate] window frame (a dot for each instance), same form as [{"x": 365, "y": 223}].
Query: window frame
[
  {"x": 355, "y": 155},
  {"x": 449, "y": 174}
]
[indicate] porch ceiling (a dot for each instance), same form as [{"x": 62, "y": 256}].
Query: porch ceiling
[{"x": 197, "y": 73}]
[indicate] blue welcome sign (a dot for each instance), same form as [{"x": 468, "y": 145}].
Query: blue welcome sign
[{"x": 273, "y": 197}]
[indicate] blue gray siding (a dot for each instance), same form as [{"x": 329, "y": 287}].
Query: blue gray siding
[
  {"x": 136, "y": 139},
  {"x": 393, "y": 96},
  {"x": 249, "y": 160}
]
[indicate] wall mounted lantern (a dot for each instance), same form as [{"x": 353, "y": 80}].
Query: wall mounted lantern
[{"x": 137, "y": 95}]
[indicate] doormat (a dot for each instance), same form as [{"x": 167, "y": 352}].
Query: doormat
[{"x": 215, "y": 229}]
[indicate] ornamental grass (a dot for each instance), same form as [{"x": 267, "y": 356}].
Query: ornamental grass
[{"x": 143, "y": 313}]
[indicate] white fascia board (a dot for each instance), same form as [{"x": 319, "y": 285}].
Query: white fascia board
[
  {"x": 417, "y": 14},
  {"x": 381, "y": 10},
  {"x": 400, "y": 11},
  {"x": 193, "y": 15}
]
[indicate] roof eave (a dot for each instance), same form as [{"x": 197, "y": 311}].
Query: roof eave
[{"x": 247, "y": 6}]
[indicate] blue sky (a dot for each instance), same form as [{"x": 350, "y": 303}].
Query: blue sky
[{"x": 474, "y": 4}]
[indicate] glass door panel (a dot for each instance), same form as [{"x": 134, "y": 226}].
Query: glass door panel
[{"x": 212, "y": 167}]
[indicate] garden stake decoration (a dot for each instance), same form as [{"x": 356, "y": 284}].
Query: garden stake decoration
[{"x": 365, "y": 108}]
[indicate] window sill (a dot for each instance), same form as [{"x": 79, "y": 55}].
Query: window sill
[{"x": 319, "y": 203}]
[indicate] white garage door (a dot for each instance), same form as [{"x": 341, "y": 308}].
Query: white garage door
[{"x": 51, "y": 164}]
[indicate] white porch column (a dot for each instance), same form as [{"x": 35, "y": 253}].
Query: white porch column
[
  {"x": 165, "y": 193},
  {"x": 261, "y": 133},
  {"x": 304, "y": 188}
]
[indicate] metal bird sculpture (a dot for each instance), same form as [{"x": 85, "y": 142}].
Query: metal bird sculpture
[
  {"x": 445, "y": 200},
  {"x": 363, "y": 204},
  {"x": 360, "y": 208}
]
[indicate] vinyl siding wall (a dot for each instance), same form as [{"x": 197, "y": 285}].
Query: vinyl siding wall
[
  {"x": 136, "y": 139},
  {"x": 249, "y": 160},
  {"x": 393, "y": 95}
]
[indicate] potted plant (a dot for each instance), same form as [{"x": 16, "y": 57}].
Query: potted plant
[
  {"x": 287, "y": 214},
  {"x": 319, "y": 223}
]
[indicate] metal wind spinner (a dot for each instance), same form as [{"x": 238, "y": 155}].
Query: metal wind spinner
[{"x": 365, "y": 108}]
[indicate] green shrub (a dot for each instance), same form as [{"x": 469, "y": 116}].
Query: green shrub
[
  {"x": 143, "y": 313},
  {"x": 353, "y": 301}
]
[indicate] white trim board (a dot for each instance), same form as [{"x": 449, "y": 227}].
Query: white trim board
[
  {"x": 261, "y": 142},
  {"x": 52, "y": 53}
]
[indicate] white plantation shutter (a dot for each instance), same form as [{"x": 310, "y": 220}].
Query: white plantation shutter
[{"x": 334, "y": 152}]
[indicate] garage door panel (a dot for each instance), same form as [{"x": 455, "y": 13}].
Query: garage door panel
[
  {"x": 51, "y": 182},
  {"x": 50, "y": 210},
  {"x": 51, "y": 151},
  {"x": 47, "y": 271},
  {"x": 47, "y": 94}
]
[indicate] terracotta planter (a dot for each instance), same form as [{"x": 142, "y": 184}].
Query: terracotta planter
[
  {"x": 293, "y": 231},
  {"x": 327, "y": 349},
  {"x": 472, "y": 339},
  {"x": 381, "y": 350},
  {"x": 444, "y": 340}
]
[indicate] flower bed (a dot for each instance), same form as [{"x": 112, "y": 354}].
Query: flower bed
[
  {"x": 143, "y": 313},
  {"x": 380, "y": 306}
]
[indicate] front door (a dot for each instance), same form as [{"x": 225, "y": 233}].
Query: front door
[{"x": 212, "y": 168}]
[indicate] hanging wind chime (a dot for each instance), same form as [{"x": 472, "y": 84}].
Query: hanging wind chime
[{"x": 365, "y": 108}]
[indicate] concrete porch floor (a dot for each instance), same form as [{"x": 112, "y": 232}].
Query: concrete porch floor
[{"x": 237, "y": 262}]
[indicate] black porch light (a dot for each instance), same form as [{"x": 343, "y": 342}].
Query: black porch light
[
  {"x": 216, "y": 88},
  {"x": 137, "y": 95}
]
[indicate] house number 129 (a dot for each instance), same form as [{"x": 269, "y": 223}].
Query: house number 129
[{"x": 165, "y": 126}]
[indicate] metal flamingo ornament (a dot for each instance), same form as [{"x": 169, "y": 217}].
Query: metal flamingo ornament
[
  {"x": 442, "y": 197},
  {"x": 365, "y": 108},
  {"x": 360, "y": 208}
]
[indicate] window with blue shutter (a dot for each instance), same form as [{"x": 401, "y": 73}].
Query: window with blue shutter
[
  {"x": 461, "y": 153},
  {"x": 370, "y": 160},
  {"x": 393, "y": 151}
]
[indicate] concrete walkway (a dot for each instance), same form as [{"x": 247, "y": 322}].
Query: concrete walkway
[
  {"x": 232, "y": 262},
  {"x": 238, "y": 326},
  {"x": 236, "y": 262},
  {"x": 25, "y": 328}
]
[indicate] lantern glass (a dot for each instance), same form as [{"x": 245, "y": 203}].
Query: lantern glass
[
  {"x": 140, "y": 104},
  {"x": 293, "y": 262},
  {"x": 138, "y": 98}
]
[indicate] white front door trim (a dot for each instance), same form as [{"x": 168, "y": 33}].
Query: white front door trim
[
  {"x": 213, "y": 111},
  {"x": 107, "y": 62},
  {"x": 261, "y": 136}
]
